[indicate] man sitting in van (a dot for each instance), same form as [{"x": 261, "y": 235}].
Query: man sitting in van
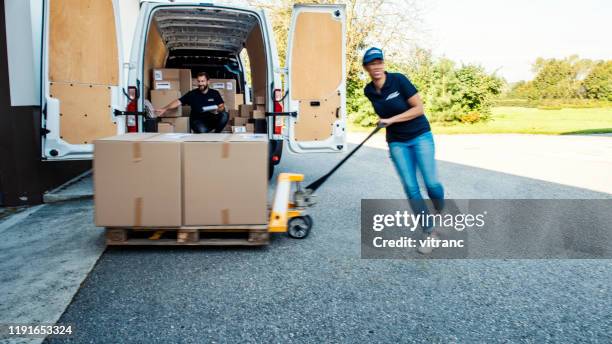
[{"x": 207, "y": 109}]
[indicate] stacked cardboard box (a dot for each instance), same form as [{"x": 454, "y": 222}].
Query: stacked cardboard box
[
  {"x": 137, "y": 180},
  {"x": 165, "y": 127},
  {"x": 161, "y": 98},
  {"x": 174, "y": 82},
  {"x": 175, "y": 124},
  {"x": 149, "y": 179},
  {"x": 227, "y": 89},
  {"x": 216, "y": 191},
  {"x": 171, "y": 78}
]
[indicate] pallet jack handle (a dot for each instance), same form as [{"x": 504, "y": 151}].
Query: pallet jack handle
[{"x": 312, "y": 187}]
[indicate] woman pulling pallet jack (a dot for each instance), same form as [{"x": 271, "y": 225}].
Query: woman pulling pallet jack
[{"x": 398, "y": 104}]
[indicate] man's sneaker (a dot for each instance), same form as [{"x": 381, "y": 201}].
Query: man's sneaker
[{"x": 426, "y": 249}]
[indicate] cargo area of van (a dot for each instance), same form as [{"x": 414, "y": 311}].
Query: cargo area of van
[
  {"x": 226, "y": 44},
  {"x": 146, "y": 54}
]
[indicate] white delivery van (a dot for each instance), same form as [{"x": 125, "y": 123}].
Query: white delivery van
[{"x": 92, "y": 87}]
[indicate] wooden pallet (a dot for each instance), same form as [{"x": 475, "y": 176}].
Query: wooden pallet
[{"x": 237, "y": 235}]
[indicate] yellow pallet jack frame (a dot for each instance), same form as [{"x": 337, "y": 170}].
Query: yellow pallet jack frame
[{"x": 288, "y": 213}]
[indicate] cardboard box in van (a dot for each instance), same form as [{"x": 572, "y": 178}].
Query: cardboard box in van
[
  {"x": 239, "y": 100},
  {"x": 245, "y": 110},
  {"x": 216, "y": 191},
  {"x": 165, "y": 127},
  {"x": 233, "y": 114},
  {"x": 227, "y": 89},
  {"x": 150, "y": 164},
  {"x": 182, "y": 76},
  {"x": 179, "y": 124},
  {"x": 239, "y": 121},
  {"x": 161, "y": 98},
  {"x": 260, "y": 100},
  {"x": 259, "y": 114}
]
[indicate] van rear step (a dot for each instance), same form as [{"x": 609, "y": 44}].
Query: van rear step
[{"x": 238, "y": 235}]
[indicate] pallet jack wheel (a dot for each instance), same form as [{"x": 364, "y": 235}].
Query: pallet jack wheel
[{"x": 299, "y": 226}]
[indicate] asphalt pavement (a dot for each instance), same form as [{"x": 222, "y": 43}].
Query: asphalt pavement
[{"x": 319, "y": 289}]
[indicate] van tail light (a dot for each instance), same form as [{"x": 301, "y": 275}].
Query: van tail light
[
  {"x": 131, "y": 118},
  {"x": 278, "y": 107}
]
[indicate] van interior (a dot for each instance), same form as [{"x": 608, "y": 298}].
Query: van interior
[{"x": 208, "y": 40}]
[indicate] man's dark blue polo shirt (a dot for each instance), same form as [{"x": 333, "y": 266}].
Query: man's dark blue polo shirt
[{"x": 393, "y": 100}]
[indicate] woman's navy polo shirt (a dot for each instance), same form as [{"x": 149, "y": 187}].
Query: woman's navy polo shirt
[{"x": 393, "y": 100}]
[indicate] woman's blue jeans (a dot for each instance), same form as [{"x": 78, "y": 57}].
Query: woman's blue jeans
[{"x": 407, "y": 156}]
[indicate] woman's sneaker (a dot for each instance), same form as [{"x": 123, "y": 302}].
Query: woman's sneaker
[{"x": 427, "y": 248}]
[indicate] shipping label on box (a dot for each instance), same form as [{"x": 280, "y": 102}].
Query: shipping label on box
[
  {"x": 239, "y": 129},
  {"x": 167, "y": 85}
]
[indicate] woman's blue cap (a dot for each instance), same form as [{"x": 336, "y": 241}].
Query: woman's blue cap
[{"x": 372, "y": 54}]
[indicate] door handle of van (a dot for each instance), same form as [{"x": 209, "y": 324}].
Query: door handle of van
[{"x": 315, "y": 103}]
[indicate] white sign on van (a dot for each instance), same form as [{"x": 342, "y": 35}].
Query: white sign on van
[{"x": 158, "y": 75}]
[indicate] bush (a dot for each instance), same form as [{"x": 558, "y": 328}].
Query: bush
[
  {"x": 449, "y": 94},
  {"x": 598, "y": 84}
]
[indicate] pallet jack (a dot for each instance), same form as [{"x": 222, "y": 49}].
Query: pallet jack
[{"x": 289, "y": 210}]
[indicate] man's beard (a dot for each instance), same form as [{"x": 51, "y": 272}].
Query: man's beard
[{"x": 203, "y": 88}]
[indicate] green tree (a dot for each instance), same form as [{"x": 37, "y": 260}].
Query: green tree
[{"x": 598, "y": 84}]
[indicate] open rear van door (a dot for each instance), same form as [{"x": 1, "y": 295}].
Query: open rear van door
[
  {"x": 317, "y": 79},
  {"x": 81, "y": 75}
]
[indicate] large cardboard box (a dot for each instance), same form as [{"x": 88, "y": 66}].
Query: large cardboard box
[
  {"x": 161, "y": 98},
  {"x": 137, "y": 180},
  {"x": 182, "y": 76},
  {"x": 179, "y": 124},
  {"x": 227, "y": 89},
  {"x": 216, "y": 191}
]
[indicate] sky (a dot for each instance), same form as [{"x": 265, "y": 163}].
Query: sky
[{"x": 507, "y": 36}]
